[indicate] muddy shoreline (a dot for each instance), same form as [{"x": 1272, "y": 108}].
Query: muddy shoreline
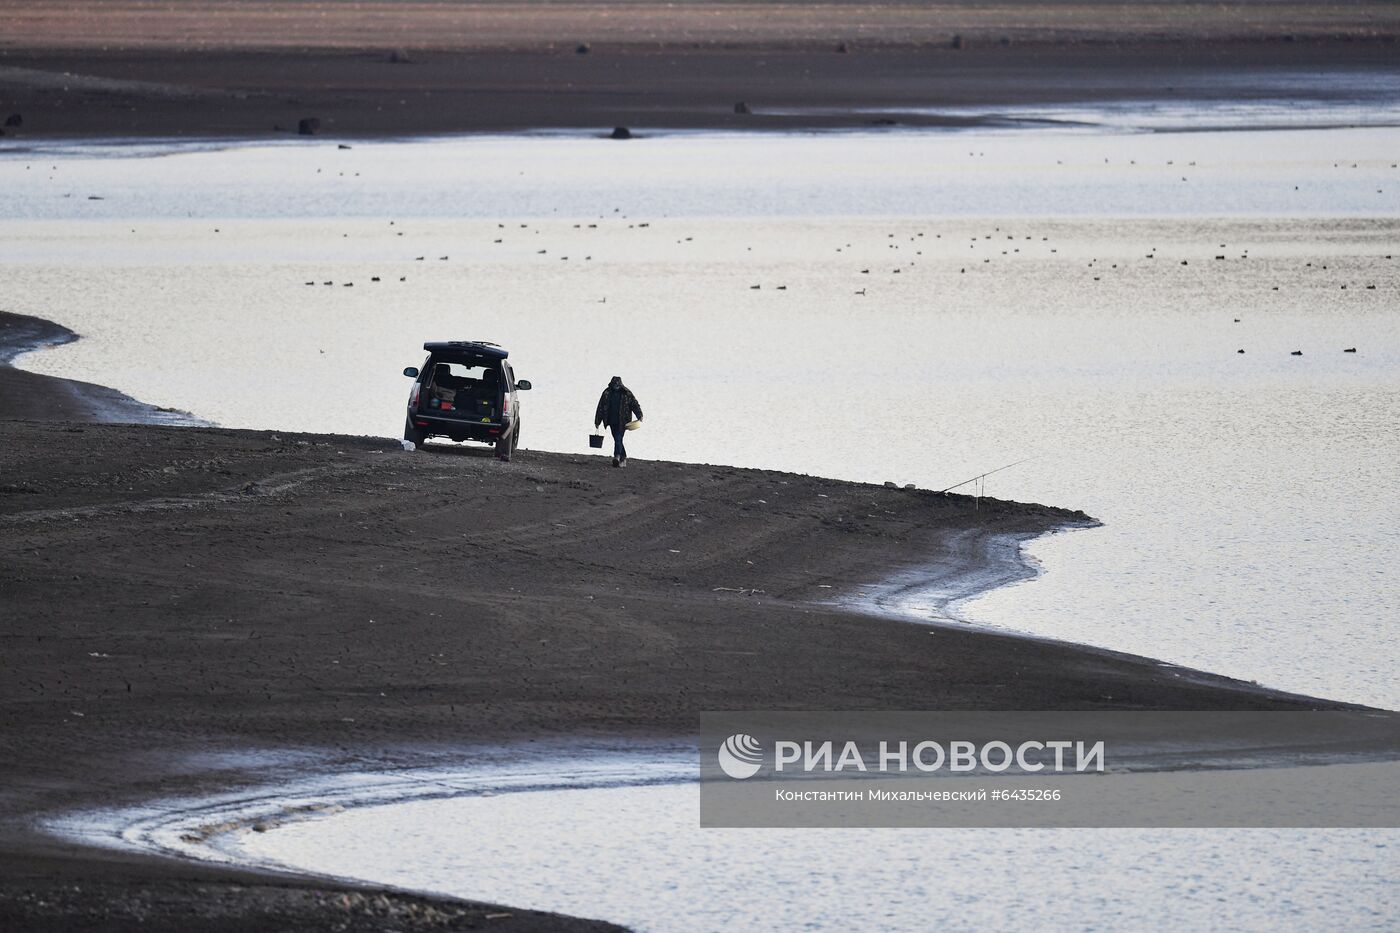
[
  {"x": 190, "y": 610},
  {"x": 360, "y": 92},
  {"x": 26, "y": 396}
]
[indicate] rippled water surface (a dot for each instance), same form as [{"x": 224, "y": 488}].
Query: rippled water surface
[{"x": 635, "y": 855}]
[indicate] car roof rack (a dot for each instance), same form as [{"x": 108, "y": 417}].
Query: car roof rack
[{"x": 476, "y": 347}]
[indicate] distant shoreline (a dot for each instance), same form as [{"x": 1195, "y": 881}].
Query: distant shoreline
[
  {"x": 267, "y": 93},
  {"x": 575, "y": 26}
]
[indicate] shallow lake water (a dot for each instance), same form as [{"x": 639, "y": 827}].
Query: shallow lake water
[{"x": 636, "y": 855}]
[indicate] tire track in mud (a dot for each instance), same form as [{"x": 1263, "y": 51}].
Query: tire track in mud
[{"x": 273, "y": 485}]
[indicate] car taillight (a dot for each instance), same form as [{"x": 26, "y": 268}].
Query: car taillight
[
  {"x": 413, "y": 399},
  {"x": 505, "y": 405}
]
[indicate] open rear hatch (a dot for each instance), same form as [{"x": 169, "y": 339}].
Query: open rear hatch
[{"x": 463, "y": 381}]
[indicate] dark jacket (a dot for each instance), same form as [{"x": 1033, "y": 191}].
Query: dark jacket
[{"x": 617, "y": 405}]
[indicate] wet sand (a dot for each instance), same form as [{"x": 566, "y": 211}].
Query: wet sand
[{"x": 195, "y": 609}]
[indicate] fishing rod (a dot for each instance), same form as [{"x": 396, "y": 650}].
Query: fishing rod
[{"x": 983, "y": 476}]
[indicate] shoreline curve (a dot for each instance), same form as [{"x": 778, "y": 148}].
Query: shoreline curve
[{"x": 65, "y": 399}]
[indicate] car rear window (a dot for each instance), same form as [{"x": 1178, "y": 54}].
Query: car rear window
[{"x": 472, "y": 371}]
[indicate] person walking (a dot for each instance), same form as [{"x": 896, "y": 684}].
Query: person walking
[{"x": 616, "y": 407}]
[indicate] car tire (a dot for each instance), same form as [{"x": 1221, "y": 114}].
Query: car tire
[
  {"x": 411, "y": 433},
  {"x": 505, "y": 447}
]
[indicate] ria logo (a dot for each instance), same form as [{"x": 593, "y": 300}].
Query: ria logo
[{"x": 740, "y": 756}]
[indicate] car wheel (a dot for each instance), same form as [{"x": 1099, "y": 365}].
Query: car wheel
[
  {"x": 506, "y": 445},
  {"x": 411, "y": 433}
]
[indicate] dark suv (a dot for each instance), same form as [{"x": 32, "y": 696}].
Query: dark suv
[{"x": 465, "y": 391}]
